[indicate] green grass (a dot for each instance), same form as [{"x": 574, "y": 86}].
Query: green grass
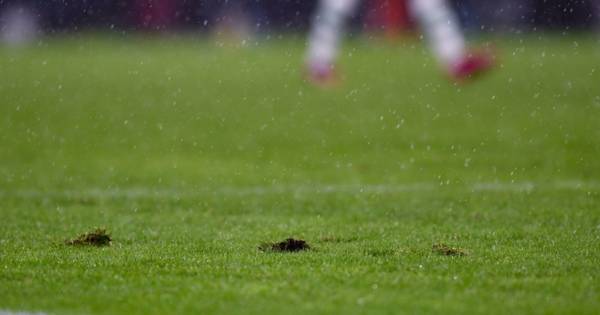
[{"x": 192, "y": 155}]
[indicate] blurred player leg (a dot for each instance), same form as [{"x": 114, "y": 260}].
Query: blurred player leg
[
  {"x": 440, "y": 25},
  {"x": 324, "y": 39},
  {"x": 442, "y": 30},
  {"x": 19, "y": 22}
]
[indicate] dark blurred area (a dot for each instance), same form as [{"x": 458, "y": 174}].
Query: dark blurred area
[{"x": 255, "y": 16}]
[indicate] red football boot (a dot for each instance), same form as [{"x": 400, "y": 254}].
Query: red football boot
[
  {"x": 471, "y": 66},
  {"x": 321, "y": 75}
]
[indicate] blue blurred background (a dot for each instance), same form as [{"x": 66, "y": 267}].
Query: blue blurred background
[{"x": 22, "y": 18}]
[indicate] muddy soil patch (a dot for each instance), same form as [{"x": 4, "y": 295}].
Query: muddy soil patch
[
  {"x": 445, "y": 250},
  {"x": 97, "y": 237},
  {"x": 288, "y": 245}
]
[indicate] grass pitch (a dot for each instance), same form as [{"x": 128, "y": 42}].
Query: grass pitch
[{"x": 192, "y": 155}]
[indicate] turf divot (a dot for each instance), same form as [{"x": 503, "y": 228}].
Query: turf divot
[
  {"x": 288, "y": 245},
  {"x": 98, "y": 237},
  {"x": 445, "y": 250}
]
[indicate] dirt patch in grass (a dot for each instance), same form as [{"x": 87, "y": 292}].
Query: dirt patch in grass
[
  {"x": 443, "y": 249},
  {"x": 288, "y": 245},
  {"x": 98, "y": 237}
]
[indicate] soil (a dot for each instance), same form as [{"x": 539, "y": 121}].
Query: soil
[
  {"x": 98, "y": 237},
  {"x": 446, "y": 250},
  {"x": 288, "y": 245}
]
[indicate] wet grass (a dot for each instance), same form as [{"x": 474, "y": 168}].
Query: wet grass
[{"x": 192, "y": 155}]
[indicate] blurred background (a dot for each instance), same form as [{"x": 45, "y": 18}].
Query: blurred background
[{"x": 24, "y": 20}]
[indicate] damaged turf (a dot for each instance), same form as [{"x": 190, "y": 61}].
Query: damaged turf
[
  {"x": 289, "y": 245},
  {"x": 446, "y": 250},
  {"x": 98, "y": 237}
]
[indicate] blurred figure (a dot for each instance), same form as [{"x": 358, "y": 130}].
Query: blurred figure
[
  {"x": 439, "y": 24},
  {"x": 18, "y": 24},
  {"x": 390, "y": 16},
  {"x": 156, "y": 14},
  {"x": 234, "y": 22}
]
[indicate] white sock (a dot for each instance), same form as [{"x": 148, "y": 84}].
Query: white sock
[
  {"x": 327, "y": 29},
  {"x": 441, "y": 28}
]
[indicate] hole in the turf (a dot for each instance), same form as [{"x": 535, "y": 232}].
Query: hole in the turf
[
  {"x": 288, "y": 245},
  {"x": 445, "y": 250},
  {"x": 98, "y": 237}
]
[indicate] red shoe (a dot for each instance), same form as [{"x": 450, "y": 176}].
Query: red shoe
[
  {"x": 321, "y": 75},
  {"x": 471, "y": 66}
]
